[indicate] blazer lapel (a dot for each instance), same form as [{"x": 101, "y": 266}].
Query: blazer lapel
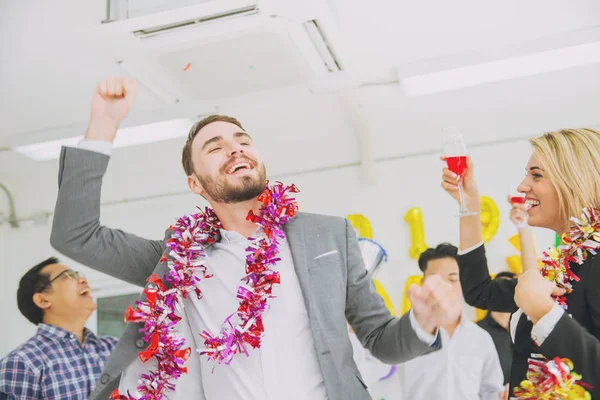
[{"x": 294, "y": 233}]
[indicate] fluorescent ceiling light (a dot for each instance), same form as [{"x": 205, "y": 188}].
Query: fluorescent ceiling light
[
  {"x": 501, "y": 70},
  {"x": 133, "y": 136}
]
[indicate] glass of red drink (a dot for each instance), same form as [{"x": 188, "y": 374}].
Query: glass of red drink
[
  {"x": 455, "y": 152},
  {"x": 517, "y": 199}
]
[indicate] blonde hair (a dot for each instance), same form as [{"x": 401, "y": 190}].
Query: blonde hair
[{"x": 571, "y": 160}]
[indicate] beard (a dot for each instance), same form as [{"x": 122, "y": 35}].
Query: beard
[{"x": 220, "y": 190}]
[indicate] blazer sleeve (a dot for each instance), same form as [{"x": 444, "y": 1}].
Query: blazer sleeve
[
  {"x": 570, "y": 340},
  {"x": 76, "y": 228},
  {"x": 391, "y": 340},
  {"x": 479, "y": 289}
]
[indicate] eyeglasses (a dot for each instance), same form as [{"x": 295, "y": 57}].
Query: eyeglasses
[
  {"x": 69, "y": 273},
  {"x": 76, "y": 275}
]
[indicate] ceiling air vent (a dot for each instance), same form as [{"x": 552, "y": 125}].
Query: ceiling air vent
[{"x": 194, "y": 22}]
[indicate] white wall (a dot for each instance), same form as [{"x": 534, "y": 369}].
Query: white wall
[
  {"x": 402, "y": 183},
  {"x": 5, "y": 290}
]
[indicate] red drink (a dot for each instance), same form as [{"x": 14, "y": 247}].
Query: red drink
[
  {"x": 457, "y": 164},
  {"x": 517, "y": 199}
]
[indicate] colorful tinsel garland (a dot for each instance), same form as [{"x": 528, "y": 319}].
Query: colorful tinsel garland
[{"x": 187, "y": 264}]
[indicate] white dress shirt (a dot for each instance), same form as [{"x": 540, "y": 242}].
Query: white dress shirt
[
  {"x": 285, "y": 366},
  {"x": 467, "y": 367}
]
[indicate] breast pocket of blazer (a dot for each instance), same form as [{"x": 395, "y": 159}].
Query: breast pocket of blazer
[
  {"x": 328, "y": 259},
  {"x": 325, "y": 273}
]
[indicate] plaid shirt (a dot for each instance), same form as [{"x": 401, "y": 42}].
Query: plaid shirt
[{"x": 54, "y": 365}]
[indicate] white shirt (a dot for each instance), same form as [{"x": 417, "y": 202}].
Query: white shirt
[
  {"x": 286, "y": 365},
  {"x": 467, "y": 367}
]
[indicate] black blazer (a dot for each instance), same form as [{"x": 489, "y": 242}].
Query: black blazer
[{"x": 577, "y": 333}]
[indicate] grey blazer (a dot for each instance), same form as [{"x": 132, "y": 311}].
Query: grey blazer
[{"x": 336, "y": 287}]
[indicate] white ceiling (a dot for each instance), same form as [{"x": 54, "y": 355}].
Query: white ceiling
[{"x": 49, "y": 68}]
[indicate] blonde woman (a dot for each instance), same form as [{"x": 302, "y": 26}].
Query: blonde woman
[{"x": 562, "y": 178}]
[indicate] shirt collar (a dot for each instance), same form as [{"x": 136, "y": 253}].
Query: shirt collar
[
  {"x": 88, "y": 336},
  {"x": 230, "y": 236},
  {"x": 55, "y": 333},
  {"x": 464, "y": 320},
  {"x": 226, "y": 237}
]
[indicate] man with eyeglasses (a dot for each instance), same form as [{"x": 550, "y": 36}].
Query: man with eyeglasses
[{"x": 63, "y": 360}]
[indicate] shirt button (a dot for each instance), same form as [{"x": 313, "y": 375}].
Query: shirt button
[
  {"x": 140, "y": 344},
  {"x": 104, "y": 379}
]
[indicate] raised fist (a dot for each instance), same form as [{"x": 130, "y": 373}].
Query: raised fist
[{"x": 112, "y": 101}]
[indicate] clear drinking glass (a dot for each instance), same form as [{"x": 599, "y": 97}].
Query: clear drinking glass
[{"x": 455, "y": 152}]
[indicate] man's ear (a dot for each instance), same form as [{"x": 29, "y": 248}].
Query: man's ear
[
  {"x": 42, "y": 300},
  {"x": 195, "y": 185}
]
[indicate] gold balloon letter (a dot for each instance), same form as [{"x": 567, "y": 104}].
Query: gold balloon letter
[
  {"x": 490, "y": 218},
  {"x": 514, "y": 264},
  {"x": 362, "y": 225},
  {"x": 414, "y": 219}
]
